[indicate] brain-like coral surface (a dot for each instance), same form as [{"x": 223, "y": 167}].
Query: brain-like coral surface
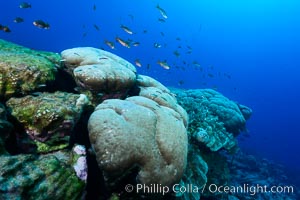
[
  {"x": 214, "y": 119},
  {"x": 139, "y": 132},
  {"x": 99, "y": 71},
  {"x": 154, "y": 90}
]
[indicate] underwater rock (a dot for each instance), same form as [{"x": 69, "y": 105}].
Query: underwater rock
[
  {"x": 214, "y": 119},
  {"x": 39, "y": 177},
  {"x": 23, "y": 70},
  {"x": 103, "y": 74},
  {"x": 49, "y": 117},
  {"x": 138, "y": 131}
]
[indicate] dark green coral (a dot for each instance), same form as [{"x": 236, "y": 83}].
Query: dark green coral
[
  {"x": 23, "y": 70},
  {"x": 49, "y": 117},
  {"x": 5, "y": 128},
  {"x": 214, "y": 120},
  {"x": 39, "y": 178}
]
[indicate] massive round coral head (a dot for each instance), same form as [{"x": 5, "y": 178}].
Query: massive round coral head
[
  {"x": 99, "y": 71},
  {"x": 138, "y": 131}
]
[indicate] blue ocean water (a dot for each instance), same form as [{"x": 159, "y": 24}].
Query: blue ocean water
[{"x": 247, "y": 50}]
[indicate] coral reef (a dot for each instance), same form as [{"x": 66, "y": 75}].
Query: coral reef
[
  {"x": 139, "y": 132},
  {"x": 49, "y": 117},
  {"x": 23, "y": 70}
]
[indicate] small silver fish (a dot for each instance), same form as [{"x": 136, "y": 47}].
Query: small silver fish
[
  {"x": 162, "y": 12},
  {"x": 126, "y": 29}
]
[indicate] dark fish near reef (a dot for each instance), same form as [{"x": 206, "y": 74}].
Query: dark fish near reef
[
  {"x": 162, "y": 12},
  {"x": 161, "y": 20},
  {"x": 135, "y": 44},
  {"x": 131, "y": 16},
  {"x": 196, "y": 64},
  {"x": 123, "y": 42},
  {"x": 227, "y": 75},
  {"x": 157, "y": 45},
  {"x": 110, "y": 44},
  {"x": 25, "y": 5},
  {"x": 41, "y": 24},
  {"x": 138, "y": 63},
  {"x": 96, "y": 27},
  {"x": 94, "y": 7},
  {"x": 176, "y": 53},
  {"x": 210, "y": 75},
  {"x": 126, "y": 29},
  {"x": 18, "y": 20},
  {"x": 5, "y": 29},
  {"x": 163, "y": 64},
  {"x": 181, "y": 82}
]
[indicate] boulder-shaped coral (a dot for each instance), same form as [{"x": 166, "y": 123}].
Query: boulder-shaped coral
[
  {"x": 48, "y": 118},
  {"x": 44, "y": 177},
  {"x": 23, "y": 70},
  {"x": 154, "y": 90},
  {"x": 214, "y": 119},
  {"x": 101, "y": 72},
  {"x": 138, "y": 131}
]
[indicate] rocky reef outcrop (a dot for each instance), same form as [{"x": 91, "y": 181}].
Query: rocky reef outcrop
[
  {"x": 113, "y": 128},
  {"x": 48, "y": 118},
  {"x": 40, "y": 177},
  {"x": 23, "y": 70}
]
